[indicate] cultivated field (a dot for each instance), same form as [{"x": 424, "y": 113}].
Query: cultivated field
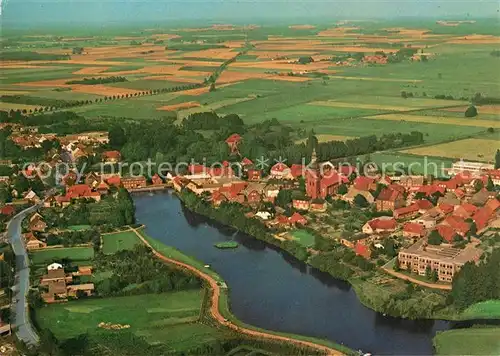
[
  {"x": 320, "y": 76},
  {"x": 474, "y": 149}
]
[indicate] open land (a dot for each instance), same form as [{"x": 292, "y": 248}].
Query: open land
[
  {"x": 47, "y": 256},
  {"x": 123, "y": 240},
  {"x": 335, "y": 94},
  {"x": 473, "y": 341}
]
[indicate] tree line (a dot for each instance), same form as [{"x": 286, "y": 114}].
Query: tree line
[{"x": 99, "y": 80}]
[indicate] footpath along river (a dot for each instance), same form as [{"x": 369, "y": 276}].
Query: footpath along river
[{"x": 272, "y": 290}]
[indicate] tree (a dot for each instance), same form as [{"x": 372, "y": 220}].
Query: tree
[
  {"x": 434, "y": 276},
  {"x": 434, "y": 238},
  {"x": 497, "y": 159},
  {"x": 490, "y": 186},
  {"x": 284, "y": 198},
  {"x": 360, "y": 201},
  {"x": 212, "y": 87},
  {"x": 117, "y": 137},
  {"x": 471, "y": 111},
  {"x": 305, "y": 60},
  {"x": 428, "y": 272},
  {"x": 403, "y": 94},
  {"x": 342, "y": 189},
  {"x": 397, "y": 265}
]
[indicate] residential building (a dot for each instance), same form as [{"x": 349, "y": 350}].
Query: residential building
[
  {"x": 233, "y": 141},
  {"x": 32, "y": 243},
  {"x": 36, "y": 223},
  {"x": 156, "y": 180},
  {"x": 413, "y": 230},
  {"x": 379, "y": 225},
  {"x": 111, "y": 156},
  {"x": 407, "y": 211},
  {"x": 444, "y": 259},
  {"x": 472, "y": 167},
  {"x": 389, "y": 199},
  {"x": 280, "y": 171},
  {"x": 134, "y": 182}
]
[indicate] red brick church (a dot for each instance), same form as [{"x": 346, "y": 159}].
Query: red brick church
[{"x": 320, "y": 184}]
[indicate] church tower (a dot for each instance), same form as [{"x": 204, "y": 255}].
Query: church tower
[{"x": 313, "y": 177}]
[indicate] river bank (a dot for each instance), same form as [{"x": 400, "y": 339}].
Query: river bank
[
  {"x": 272, "y": 290},
  {"x": 220, "y": 308}
]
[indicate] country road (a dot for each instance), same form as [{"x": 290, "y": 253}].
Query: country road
[
  {"x": 22, "y": 324},
  {"x": 214, "y": 309}
]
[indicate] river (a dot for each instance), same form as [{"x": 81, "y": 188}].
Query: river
[{"x": 272, "y": 290}]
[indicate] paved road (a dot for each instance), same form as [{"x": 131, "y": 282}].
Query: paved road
[
  {"x": 22, "y": 323},
  {"x": 214, "y": 308}
]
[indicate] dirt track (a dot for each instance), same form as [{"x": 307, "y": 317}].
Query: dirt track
[{"x": 214, "y": 308}]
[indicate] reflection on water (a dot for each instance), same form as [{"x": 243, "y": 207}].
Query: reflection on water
[{"x": 271, "y": 289}]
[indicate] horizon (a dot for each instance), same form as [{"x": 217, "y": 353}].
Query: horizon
[{"x": 54, "y": 13}]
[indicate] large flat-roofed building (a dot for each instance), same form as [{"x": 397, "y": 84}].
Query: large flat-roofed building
[
  {"x": 445, "y": 259},
  {"x": 472, "y": 167}
]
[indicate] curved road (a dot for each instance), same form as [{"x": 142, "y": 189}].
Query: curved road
[
  {"x": 222, "y": 320},
  {"x": 22, "y": 324}
]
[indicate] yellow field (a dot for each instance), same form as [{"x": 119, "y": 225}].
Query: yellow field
[
  {"x": 327, "y": 138},
  {"x": 469, "y": 149},
  {"x": 338, "y": 104},
  {"x": 13, "y": 106},
  {"x": 437, "y": 120}
]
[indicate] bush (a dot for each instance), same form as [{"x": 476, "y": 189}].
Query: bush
[{"x": 471, "y": 111}]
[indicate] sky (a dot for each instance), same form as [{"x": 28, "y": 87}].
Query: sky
[{"x": 34, "y": 12}]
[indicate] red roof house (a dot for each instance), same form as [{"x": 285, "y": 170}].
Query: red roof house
[
  {"x": 254, "y": 174},
  {"x": 114, "y": 180},
  {"x": 364, "y": 183},
  {"x": 297, "y": 170},
  {"x": 379, "y": 225},
  {"x": 245, "y": 162},
  {"x": 407, "y": 211},
  {"x": 424, "y": 205},
  {"x": 233, "y": 141},
  {"x": 413, "y": 230},
  {"x": 156, "y": 180},
  {"x": 465, "y": 210},
  {"x": 296, "y": 218},
  {"x": 446, "y": 232},
  {"x": 389, "y": 199},
  {"x": 7, "y": 210},
  {"x": 111, "y": 156},
  {"x": 280, "y": 170},
  {"x": 362, "y": 250}
]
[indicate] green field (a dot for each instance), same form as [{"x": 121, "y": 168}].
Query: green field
[
  {"x": 418, "y": 164},
  {"x": 125, "y": 240},
  {"x": 304, "y": 238},
  {"x": 169, "y": 318},
  {"x": 488, "y": 310},
  {"x": 46, "y": 256},
  {"x": 473, "y": 341}
]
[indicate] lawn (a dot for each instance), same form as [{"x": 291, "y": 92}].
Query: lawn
[
  {"x": 489, "y": 310},
  {"x": 304, "y": 238},
  {"x": 124, "y": 240},
  {"x": 73, "y": 253},
  {"x": 475, "y": 149},
  {"x": 169, "y": 318},
  {"x": 473, "y": 341}
]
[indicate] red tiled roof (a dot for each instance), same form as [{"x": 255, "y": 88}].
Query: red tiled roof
[
  {"x": 297, "y": 170},
  {"x": 388, "y": 194},
  {"x": 413, "y": 208},
  {"x": 78, "y": 190},
  {"x": 362, "y": 250},
  {"x": 218, "y": 196},
  {"x": 246, "y": 162},
  {"x": 234, "y": 138},
  {"x": 446, "y": 232},
  {"x": 481, "y": 217},
  {"x": 296, "y": 218},
  {"x": 330, "y": 179},
  {"x": 459, "y": 193},
  {"x": 111, "y": 154},
  {"x": 493, "y": 204},
  {"x": 196, "y": 168},
  {"x": 282, "y": 219},
  {"x": 102, "y": 185},
  {"x": 7, "y": 210},
  {"x": 398, "y": 187},
  {"x": 114, "y": 180},
  {"x": 414, "y": 228},
  {"x": 446, "y": 208},
  {"x": 363, "y": 183},
  {"x": 431, "y": 189},
  {"x": 224, "y": 171},
  {"x": 279, "y": 167},
  {"x": 382, "y": 224},
  {"x": 424, "y": 204},
  {"x": 458, "y": 224}
]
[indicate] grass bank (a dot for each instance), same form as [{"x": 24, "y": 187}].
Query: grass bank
[{"x": 472, "y": 341}]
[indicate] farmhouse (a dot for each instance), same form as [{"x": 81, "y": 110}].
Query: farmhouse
[
  {"x": 36, "y": 223},
  {"x": 32, "y": 243},
  {"x": 407, "y": 211},
  {"x": 156, "y": 180}
]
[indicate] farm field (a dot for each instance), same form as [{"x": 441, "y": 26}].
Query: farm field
[
  {"x": 114, "y": 242},
  {"x": 338, "y": 92},
  {"x": 418, "y": 164},
  {"x": 146, "y": 315},
  {"x": 46, "y": 256},
  {"x": 475, "y": 149},
  {"x": 473, "y": 341}
]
